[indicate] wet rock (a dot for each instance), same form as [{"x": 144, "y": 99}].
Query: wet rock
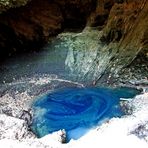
[{"x": 120, "y": 38}]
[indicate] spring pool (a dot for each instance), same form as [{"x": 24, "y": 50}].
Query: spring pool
[{"x": 77, "y": 109}]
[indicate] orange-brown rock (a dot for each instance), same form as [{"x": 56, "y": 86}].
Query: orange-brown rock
[
  {"x": 119, "y": 43},
  {"x": 31, "y": 25},
  {"x": 123, "y": 22},
  {"x": 101, "y": 13},
  {"x": 127, "y": 27},
  {"x": 126, "y": 30}
]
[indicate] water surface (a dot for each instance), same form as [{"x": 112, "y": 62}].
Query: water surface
[
  {"x": 77, "y": 109},
  {"x": 67, "y": 105}
]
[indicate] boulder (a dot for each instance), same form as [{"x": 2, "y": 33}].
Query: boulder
[{"x": 13, "y": 128}]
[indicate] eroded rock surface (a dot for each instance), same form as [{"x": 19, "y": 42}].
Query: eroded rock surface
[
  {"x": 29, "y": 27},
  {"x": 120, "y": 37},
  {"x": 13, "y": 128}
]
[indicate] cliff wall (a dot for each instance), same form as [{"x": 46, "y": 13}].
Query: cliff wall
[{"x": 118, "y": 30}]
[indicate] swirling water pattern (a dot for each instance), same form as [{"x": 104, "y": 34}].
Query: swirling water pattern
[{"x": 75, "y": 109}]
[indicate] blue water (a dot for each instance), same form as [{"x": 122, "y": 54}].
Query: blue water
[{"x": 76, "y": 109}]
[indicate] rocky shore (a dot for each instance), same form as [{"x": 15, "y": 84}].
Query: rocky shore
[
  {"x": 107, "y": 45},
  {"x": 15, "y": 121}
]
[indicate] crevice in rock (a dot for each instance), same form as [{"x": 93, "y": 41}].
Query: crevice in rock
[{"x": 112, "y": 36}]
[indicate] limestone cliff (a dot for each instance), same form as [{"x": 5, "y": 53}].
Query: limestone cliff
[
  {"x": 120, "y": 48},
  {"x": 126, "y": 30}
]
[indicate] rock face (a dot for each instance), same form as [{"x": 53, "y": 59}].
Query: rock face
[
  {"x": 30, "y": 26},
  {"x": 14, "y": 132},
  {"x": 122, "y": 43},
  {"x": 120, "y": 37},
  {"x": 13, "y": 128},
  {"x": 127, "y": 27},
  {"x": 126, "y": 31}
]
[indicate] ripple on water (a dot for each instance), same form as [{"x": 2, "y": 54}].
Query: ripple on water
[{"x": 75, "y": 109}]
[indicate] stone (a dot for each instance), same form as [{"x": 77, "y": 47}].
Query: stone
[
  {"x": 116, "y": 23},
  {"x": 14, "y": 106},
  {"x": 29, "y": 27},
  {"x": 26, "y": 115},
  {"x": 122, "y": 41},
  {"x": 13, "y": 128}
]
